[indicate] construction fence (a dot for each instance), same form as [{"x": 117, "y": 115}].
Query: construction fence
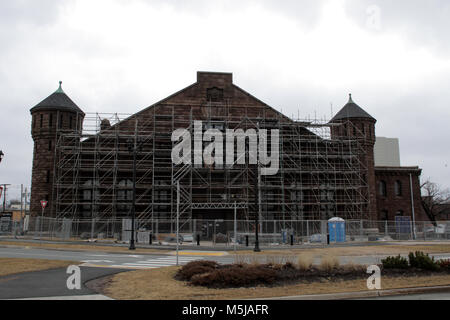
[{"x": 221, "y": 232}]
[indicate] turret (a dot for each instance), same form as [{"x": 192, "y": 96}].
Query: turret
[
  {"x": 355, "y": 123},
  {"x": 56, "y": 113}
]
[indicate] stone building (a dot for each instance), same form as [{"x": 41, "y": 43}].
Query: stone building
[{"x": 325, "y": 170}]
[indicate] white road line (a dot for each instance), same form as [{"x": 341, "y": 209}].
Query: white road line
[{"x": 157, "y": 263}]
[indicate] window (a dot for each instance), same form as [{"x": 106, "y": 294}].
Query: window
[
  {"x": 50, "y": 120},
  {"x": 398, "y": 188},
  {"x": 34, "y": 122},
  {"x": 399, "y": 213},
  {"x": 42, "y": 121},
  {"x": 60, "y": 121},
  {"x": 382, "y": 190},
  {"x": 125, "y": 192},
  {"x": 70, "y": 122},
  {"x": 48, "y": 177},
  {"x": 50, "y": 145},
  {"x": 90, "y": 196},
  {"x": 384, "y": 215},
  {"x": 214, "y": 94},
  {"x": 125, "y": 195},
  {"x": 219, "y": 125}
]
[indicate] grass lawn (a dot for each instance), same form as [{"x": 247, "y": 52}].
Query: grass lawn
[
  {"x": 9, "y": 266},
  {"x": 158, "y": 284},
  {"x": 79, "y": 247}
]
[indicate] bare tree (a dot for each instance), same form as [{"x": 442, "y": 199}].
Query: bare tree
[{"x": 435, "y": 200}]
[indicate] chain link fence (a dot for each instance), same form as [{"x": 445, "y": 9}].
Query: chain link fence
[{"x": 220, "y": 232}]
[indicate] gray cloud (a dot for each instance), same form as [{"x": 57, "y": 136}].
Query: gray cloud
[
  {"x": 38, "y": 49},
  {"x": 425, "y": 23},
  {"x": 38, "y": 13}
]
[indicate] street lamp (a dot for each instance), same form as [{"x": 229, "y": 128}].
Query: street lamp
[
  {"x": 257, "y": 208},
  {"x": 1, "y": 155},
  {"x": 133, "y": 147}
]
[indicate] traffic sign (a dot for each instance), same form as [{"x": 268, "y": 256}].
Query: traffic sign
[{"x": 44, "y": 203}]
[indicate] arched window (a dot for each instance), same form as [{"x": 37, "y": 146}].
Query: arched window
[
  {"x": 384, "y": 215},
  {"x": 398, "y": 188},
  {"x": 383, "y": 191}
]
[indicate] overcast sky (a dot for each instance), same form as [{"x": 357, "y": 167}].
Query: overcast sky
[{"x": 298, "y": 56}]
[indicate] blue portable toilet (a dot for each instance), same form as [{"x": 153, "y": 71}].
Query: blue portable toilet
[{"x": 336, "y": 229}]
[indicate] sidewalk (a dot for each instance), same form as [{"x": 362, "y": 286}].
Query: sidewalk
[
  {"x": 366, "y": 294},
  {"x": 209, "y": 246}
]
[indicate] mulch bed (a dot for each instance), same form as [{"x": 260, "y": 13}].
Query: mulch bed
[{"x": 212, "y": 275}]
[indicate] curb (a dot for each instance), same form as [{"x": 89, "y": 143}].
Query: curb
[{"x": 366, "y": 294}]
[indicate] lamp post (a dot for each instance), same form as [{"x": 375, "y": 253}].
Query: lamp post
[
  {"x": 257, "y": 208},
  {"x": 133, "y": 147}
]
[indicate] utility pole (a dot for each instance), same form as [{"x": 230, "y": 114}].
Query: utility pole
[
  {"x": 235, "y": 226},
  {"x": 178, "y": 218},
  {"x": 134, "y": 146},
  {"x": 412, "y": 207}
]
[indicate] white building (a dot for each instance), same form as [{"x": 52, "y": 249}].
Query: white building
[{"x": 387, "y": 152}]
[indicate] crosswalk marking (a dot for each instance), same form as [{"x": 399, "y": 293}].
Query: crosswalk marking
[{"x": 157, "y": 262}]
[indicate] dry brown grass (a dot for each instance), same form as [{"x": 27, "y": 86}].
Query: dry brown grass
[
  {"x": 358, "y": 250},
  {"x": 80, "y": 247},
  {"x": 158, "y": 284},
  {"x": 305, "y": 261},
  {"x": 328, "y": 263},
  {"x": 9, "y": 266}
]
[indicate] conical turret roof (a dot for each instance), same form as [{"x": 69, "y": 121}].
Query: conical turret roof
[
  {"x": 57, "y": 101},
  {"x": 351, "y": 110}
]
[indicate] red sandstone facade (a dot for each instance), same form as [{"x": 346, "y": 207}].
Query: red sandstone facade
[
  {"x": 217, "y": 89},
  {"x": 394, "y": 193}
]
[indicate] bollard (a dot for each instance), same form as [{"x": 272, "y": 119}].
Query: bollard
[
  {"x": 292, "y": 239},
  {"x": 198, "y": 240},
  {"x": 246, "y": 241},
  {"x": 328, "y": 238},
  {"x": 151, "y": 239}
]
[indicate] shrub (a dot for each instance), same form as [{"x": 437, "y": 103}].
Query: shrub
[
  {"x": 444, "y": 264},
  {"x": 353, "y": 267},
  {"x": 195, "y": 268},
  {"x": 422, "y": 261},
  {"x": 328, "y": 263},
  {"x": 395, "y": 263},
  {"x": 236, "y": 276},
  {"x": 305, "y": 262}
]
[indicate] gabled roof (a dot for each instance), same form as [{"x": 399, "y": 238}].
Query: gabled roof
[
  {"x": 351, "y": 110},
  {"x": 57, "y": 101}
]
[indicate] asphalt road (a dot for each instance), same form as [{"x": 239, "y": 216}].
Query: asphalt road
[
  {"x": 133, "y": 261},
  {"x": 111, "y": 260},
  {"x": 49, "y": 283},
  {"x": 52, "y": 283}
]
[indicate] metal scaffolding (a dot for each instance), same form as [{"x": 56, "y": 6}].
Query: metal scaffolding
[{"x": 322, "y": 174}]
